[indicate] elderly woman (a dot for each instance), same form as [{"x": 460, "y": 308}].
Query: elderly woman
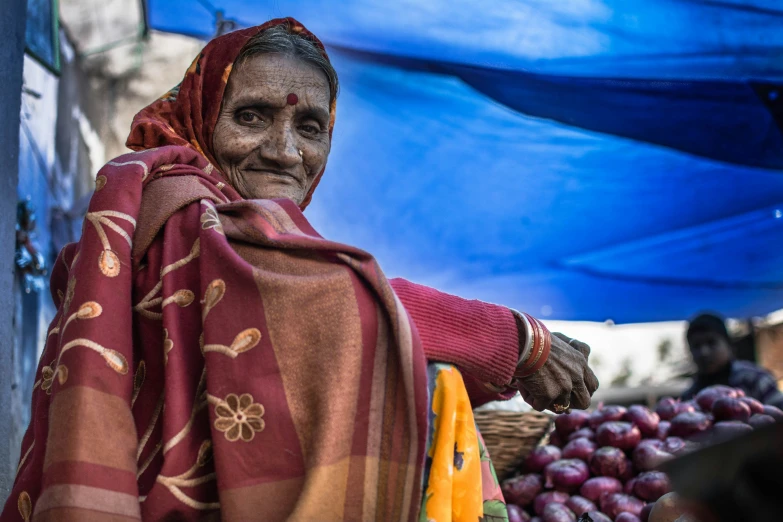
[{"x": 213, "y": 357}]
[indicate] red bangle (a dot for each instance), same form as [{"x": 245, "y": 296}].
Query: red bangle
[{"x": 542, "y": 342}]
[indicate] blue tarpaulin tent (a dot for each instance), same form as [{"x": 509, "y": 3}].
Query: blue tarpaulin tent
[{"x": 580, "y": 160}]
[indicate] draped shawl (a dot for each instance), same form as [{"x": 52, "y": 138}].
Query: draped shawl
[{"x": 210, "y": 353}]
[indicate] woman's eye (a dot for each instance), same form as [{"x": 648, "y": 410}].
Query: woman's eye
[
  {"x": 309, "y": 129},
  {"x": 248, "y": 117}
]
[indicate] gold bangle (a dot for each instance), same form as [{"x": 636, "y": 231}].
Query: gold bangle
[{"x": 540, "y": 340}]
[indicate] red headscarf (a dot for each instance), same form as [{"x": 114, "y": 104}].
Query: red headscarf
[{"x": 188, "y": 113}]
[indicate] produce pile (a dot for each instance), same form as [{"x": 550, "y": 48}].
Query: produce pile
[{"x": 603, "y": 463}]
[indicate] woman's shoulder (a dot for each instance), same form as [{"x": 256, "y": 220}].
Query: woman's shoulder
[
  {"x": 146, "y": 161},
  {"x": 125, "y": 183},
  {"x": 140, "y": 190},
  {"x": 61, "y": 270}
]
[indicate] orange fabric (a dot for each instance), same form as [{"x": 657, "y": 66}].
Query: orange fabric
[
  {"x": 460, "y": 481},
  {"x": 454, "y": 492}
]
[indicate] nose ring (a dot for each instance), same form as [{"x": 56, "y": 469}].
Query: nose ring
[{"x": 301, "y": 154}]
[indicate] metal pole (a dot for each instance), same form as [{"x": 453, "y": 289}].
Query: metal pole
[{"x": 12, "y": 26}]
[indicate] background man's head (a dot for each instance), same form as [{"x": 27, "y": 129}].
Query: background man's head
[{"x": 709, "y": 343}]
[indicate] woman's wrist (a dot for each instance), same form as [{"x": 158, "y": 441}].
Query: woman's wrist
[
  {"x": 534, "y": 347},
  {"x": 525, "y": 332}
]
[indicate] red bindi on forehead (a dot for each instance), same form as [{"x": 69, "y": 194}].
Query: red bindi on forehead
[{"x": 292, "y": 99}]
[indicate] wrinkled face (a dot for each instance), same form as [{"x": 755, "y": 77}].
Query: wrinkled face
[
  {"x": 710, "y": 351},
  {"x": 269, "y": 147}
]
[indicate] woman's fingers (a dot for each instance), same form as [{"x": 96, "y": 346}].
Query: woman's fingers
[
  {"x": 562, "y": 403},
  {"x": 565, "y": 381},
  {"x": 546, "y": 395},
  {"x": 580, "y": 396},
  {"x": 527, "y": 397},
  {"x": 539, "y": 403},
  {"x": 591, "y": 381},
  {"x": 579, "y": 346}
]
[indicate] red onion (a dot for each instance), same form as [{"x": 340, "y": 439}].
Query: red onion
[
  {"x": 558, "y": 513},
  {"x": 584, "y": 433},
  {"x": 629, "y": 471},
  {"x": 646, "y": 420},
  {"x": 754, "y": 405},
  {"x": 581, "y": 449},
  {"x": 649, "y": 457},
  {"x": 663, "y": 429},
  {"x": 594, "y": 488},
  {"x": 605, "y": 414},
  {"x": 627, "y": 517},
  {"x": 774, "y": 412},
  {"x": 541, "y": 457},
  {"x": 523, "y": 489},
  {"x": 655, "y": 443},
  {"x": 673, "y": 445},
  {"x": 623, "y": 435},
  {"x": 710, "y": 394},
  {"x": 580, "y": 505},
  {"x": 760, "y": 419},
  {"x": 615, "y": 503},
  {"x": 729, "y": 408},
  {"x": 685, "y": 407},
  {"x": 556, "y": 440},
  {"x": 608, "y": 462},
  {"x": 652, "y": 485},
  {"x": 597, "y": 516},
  {"x": 628, "y": 487},
  {"x": 568, "y": 423},
  {"x": 566, "y": 474},
  {"x": 645, "y": 514},
  {"x": 549, "y": 497},
  {"x": 726, "y": 430},
  {"x": 517, "y": 514},
  {"x": 667, "y": 408},
  {"x": 688, "y": 424}
]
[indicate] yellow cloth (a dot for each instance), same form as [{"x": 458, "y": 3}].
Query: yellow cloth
[{"x": 461, "y": 485}]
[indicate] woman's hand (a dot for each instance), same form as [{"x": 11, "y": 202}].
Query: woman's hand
[{"x": 565, "y": 381}]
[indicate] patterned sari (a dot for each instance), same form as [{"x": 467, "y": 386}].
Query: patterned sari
[{"x": 214, "y": 358}]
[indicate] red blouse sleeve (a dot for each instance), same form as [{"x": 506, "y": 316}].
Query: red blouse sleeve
[{"x": 480, "y": 338}]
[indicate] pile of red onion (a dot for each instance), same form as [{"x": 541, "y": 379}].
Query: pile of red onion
[{"x": 604, "y": 462}]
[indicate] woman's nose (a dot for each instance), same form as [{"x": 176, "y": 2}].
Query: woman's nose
[{"x": 282, "y": 146}]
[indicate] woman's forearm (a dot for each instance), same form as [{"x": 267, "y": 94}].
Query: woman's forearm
[{"x": 480, "y": 338}]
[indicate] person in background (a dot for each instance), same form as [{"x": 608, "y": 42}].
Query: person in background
[{"x": 711, "y": 349}]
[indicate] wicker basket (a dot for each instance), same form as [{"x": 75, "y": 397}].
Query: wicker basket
[{"x": 510, "y": 436}]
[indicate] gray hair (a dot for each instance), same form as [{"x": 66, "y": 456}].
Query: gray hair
[{"x": 279, "y": 40}]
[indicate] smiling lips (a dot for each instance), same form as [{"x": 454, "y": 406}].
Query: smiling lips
[{"x": 276, "y": 173}]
